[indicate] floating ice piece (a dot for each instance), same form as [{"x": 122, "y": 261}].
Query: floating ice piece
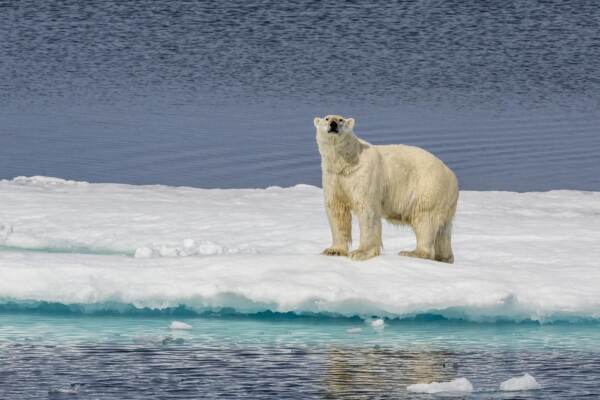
[
  {"x": 354, "y": 330},
  {"x": 178, "y": 325},
  {"x": 525, "y": 382},
  {"x": 377, "y": 324},
  {"x": 72, "y": 390},
  {"x": 459, "y": 385}
]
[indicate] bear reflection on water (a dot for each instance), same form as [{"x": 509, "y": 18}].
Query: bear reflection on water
[{"x": 363, "y": 372}]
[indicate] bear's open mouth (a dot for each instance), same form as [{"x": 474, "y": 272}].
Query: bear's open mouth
[{"x": 333, "y": 127}]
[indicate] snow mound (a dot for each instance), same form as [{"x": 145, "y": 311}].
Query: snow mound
[
  {"x": 178, "y": 325},
  {"x": 189, "y": 247},
  {"x": 45, "y": 181},
  {"x": 459, "y": 385},
  {"x": 525, "y": 382}
]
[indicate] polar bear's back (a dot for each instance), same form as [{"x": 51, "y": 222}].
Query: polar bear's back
[{"x": 416, "y": 179}]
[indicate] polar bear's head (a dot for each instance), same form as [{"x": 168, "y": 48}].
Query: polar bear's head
[{"x": 333, "y": 127}]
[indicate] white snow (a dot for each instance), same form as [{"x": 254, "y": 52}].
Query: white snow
[
  {"x": 518, "y": 255},
  {"x": 178, "y": 325},
  {"x": 458, "y": 385},
  {"x": 525, "y": 382}
]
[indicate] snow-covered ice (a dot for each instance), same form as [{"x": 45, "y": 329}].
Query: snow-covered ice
[
  {"x": 458, "y": 385},
  {"x": 525, "y": 382},
  {"x": 178, "y": 325},
  {"x": 518, "y": 255}
]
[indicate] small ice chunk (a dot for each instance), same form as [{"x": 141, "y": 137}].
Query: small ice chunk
[
  {"x": 354, "y": 330},
  {"x": 189, "y": 243},
  {"x": 377, "y": 324},
  {"x": 525, "y": 382},
  {"x": 458, "y": 385},
  {"x": 189, "y": 247},
  {"x": 208, "y": 248},
  {"x": 73, "y": 389},
  {"x": 178, "y": 325},
  {"x": 143, "y": 252},
  {"x": 168, "y": 251}
]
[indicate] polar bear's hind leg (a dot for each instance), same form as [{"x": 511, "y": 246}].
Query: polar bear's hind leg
[
  {"x": 426, "y": 231},
  {"x": 443, "y": 244}
]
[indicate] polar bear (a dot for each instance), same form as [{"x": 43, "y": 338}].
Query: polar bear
[{"x": 403, "y": 184}]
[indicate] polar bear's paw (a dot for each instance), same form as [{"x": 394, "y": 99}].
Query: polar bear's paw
[
  {"x": 360, "y": 255},
  {"x": 334, "y": 251},
  {"x": 416, "y": 254}
]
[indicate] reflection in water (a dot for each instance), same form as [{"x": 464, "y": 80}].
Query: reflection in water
[{"x": 360, "y": 372}]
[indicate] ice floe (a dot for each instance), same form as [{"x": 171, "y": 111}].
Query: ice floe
[{"x": 519, "y": 256}]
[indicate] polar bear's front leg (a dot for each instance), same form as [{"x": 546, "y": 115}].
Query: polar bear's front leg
[
  {"x": 370, "y": 235},
  {"x": 340, "y": 221}
]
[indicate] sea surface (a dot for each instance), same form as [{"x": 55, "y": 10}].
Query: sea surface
[
  {"x": 275, "y": 357},
  {"x": 223, "y": 93}
]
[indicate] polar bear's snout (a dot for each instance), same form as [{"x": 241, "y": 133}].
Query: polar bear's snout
[{"x": 333, "y": 127}]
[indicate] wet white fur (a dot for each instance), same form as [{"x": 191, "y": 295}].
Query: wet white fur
[{"x": 403, "y": 184}]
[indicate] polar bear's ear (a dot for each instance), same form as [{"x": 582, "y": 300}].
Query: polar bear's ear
[
  {"x": 317, "y": 121},
  {"x": 350, "y": 122}
]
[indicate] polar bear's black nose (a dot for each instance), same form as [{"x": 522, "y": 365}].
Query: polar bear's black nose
[{"x": 333, "y": 126}]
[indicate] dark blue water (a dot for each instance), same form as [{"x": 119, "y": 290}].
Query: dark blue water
[{"x": 222, "y": 94}]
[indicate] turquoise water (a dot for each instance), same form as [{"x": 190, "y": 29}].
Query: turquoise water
[{"x": 278, "y": 356}]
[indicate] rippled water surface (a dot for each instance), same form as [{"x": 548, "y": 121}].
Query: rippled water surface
[
  {"x": 222, "y": 94},
  {"x": 139, "y": 358}
]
